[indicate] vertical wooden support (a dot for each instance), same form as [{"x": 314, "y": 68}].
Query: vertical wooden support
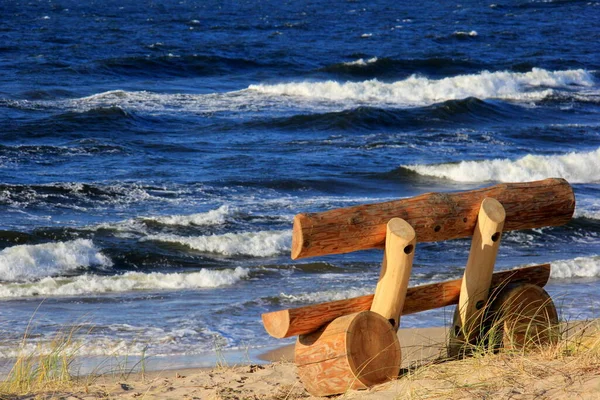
[
  {"x": 398, "y": 258},
  {"x": 478, "y": 274},
  {"x": 359, "y": 350}
]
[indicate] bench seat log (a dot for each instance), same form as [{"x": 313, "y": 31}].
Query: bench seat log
[
  {"x": 302, "y": 320},
  {"x": 434, "y": 216}
]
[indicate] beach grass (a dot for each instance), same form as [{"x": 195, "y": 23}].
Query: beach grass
[{"x": 549, "y": 369}]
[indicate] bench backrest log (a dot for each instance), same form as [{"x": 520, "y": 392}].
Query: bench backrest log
[{"x": 434, "y": 217}]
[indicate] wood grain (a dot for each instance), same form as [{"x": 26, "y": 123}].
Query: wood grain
[
  {"x": 478, "y": 273},
  {"x": 434, "y": 216},
  {"x": 353, "y": 352},
  {"x": 390, "y": 292}
]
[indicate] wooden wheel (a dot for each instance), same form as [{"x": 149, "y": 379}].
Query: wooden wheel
[
  {"x": 519, "y": 316},
  {"x": 522, "y": 317}
]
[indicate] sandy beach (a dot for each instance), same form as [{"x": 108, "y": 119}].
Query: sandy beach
[{"x": 570, "y": 370}]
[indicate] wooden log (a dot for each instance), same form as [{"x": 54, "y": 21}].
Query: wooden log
[
  {"x": 301, "y": 320},
  {"x": 434, "y": 216},
  {"x": 353, "y": 352},
  {"x": 522, "y": 317},
  {"x": 477, "y": 277},
  {"x": 395, "y": 271}
]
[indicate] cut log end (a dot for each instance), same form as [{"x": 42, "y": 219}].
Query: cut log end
[
  {"x": 524, "y": 317},
  {"x": 401, "y": 229},
  {"x": 277, "y": 323},
  {"x": 353, "y": 352},
  {"x": 493, "y": 210},
  {"x": 297, "y": 237}
]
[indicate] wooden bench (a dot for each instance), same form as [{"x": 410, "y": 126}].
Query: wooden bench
[{"x": 352, "y": 343}]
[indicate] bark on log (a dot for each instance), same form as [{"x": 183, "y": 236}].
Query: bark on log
[
  {"x": 434, "y": 216},
  {"x": 302, "y": 320}
]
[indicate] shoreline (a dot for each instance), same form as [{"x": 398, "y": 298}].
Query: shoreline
[{"x": 425, "y": 373}]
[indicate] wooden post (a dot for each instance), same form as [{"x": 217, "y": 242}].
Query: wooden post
[
  {"x": 434, "y": 217},
  {"x": 302, "y": 320},
  {"x": 395, "y": 271},
  {"x": 359, "y": 350},
  {"x": 477, "y": 277}
]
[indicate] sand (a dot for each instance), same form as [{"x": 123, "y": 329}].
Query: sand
[{"x": 536, "y": 376}]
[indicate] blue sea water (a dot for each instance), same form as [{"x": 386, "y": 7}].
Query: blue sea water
[{"x": 153, "y": 155}]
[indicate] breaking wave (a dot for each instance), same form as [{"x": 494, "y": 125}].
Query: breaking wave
[
  {"x": 420, "y": 91},
  {"x": 212, "y": 217},
  {"x": 309, "y": 96},
  {"x": 325, "y": 296},
  {"x": 256, "y": 244},
  {"x": 27, "y": 262},
  {"x": 580, "y": 267},
  {"x": 574, "y": 167},
  {"x": 94, "y": 284}
]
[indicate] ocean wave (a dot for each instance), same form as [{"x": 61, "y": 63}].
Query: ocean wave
[
  {"x": 575, "y": 167},
  {"x": 463, "y": 34},
  {"x": 26, "y": 262},
  {"x": 79, "y": 195},
  {"x": 212, "y": 217},
  {"x": 390, "y": 67},
  {"x": 309, "y": 96},
  {"x": 421, "y": 91},
  {"x": 361, "y": 62},
  {"x": 325, "y": 296},
  {"x": 580, "y": 267},
  {"x": 255, "y": 244},
  {"x": 130, "y": 281}
]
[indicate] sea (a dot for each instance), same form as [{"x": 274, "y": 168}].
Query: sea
[{"x": 153, "y": 155}]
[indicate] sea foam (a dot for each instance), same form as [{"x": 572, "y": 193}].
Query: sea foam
[
  {"x": 575, "y": 167},
  {"x": 94, "y": 284},
  {"x": 325, "y": 296},
  {"x": 361, "y": 62},
  {"x": 27, "y": 262},
  {"x": 420, "y": 91},
  {"x": 580, "y": 267},
  {"x": 256, "y": 244},
  {"x": 212, "y": 217},
  {"x": 414, "y": 91}
]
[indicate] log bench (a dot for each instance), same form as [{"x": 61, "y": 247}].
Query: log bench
[{"x": 352, "y": 343}]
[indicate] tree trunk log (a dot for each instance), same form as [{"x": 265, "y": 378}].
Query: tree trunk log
[
  {"x": 434, "y": 216},
  {"x": 355, "y": 351},
  {"x": 297, "y": 321}
]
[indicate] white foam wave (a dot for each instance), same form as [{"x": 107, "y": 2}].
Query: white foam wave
[
  {"x": 256, "y": 244},
  {"x": 212, "y": 217},
  {"x": 26, "y": 262},
  {"x": 420, "y": 91},
  {"x": 414, "y": 91},
  {"x": 130, "y": 281},
  {"x": 461, "y": 33},
  {"x": 574, "y": 167},
  {"x": 325, "y": 296},
  {"x": 580, "y": 267},
  {"x": 361, "y": 62}
]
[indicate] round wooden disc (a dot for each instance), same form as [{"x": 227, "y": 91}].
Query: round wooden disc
[
  {"x": 522, "y": 316},
  {"x": 352, "y": 352},
  {"x": 373, "y": 349}
]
